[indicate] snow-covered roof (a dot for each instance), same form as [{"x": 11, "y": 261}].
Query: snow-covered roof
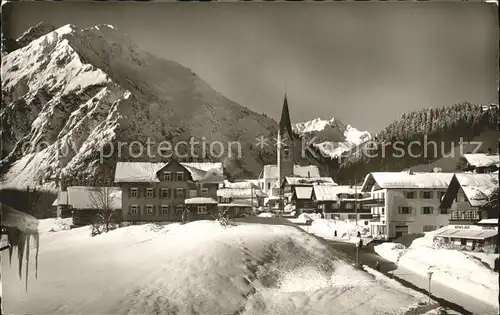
[
  {"x": 468, "y": 234},
  {"x": 271, "y": 171},
  {"x": 242, "y": 184},
  {"x": 407, "y": 180},
  {"x": 86, "y": 197},
  {"x": 293, "y": 181},
  {"x": 303, "y": 192},
  {"x": 200, "y": 200},
  {"x": 477, "y": 187},
  {"x": 331, "y": 193},
  {"x": 61, "y": 199},
  {"x": 145, "y": 172},
  {"x": 240, "y": 193},
  {"x": 488, "y": 221},
  {"x": 246, "y": 202},
  {"x": 482, "y": 159}
]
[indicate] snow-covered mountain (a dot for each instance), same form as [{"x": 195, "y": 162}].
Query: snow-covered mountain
[
  {"x": 68, "y": 94},
  {"x": 332, "y": 136}
]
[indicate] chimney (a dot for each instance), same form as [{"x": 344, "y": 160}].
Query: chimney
[{"x": 410, "y": 171}]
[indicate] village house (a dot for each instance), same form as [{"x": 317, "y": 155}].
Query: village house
[
  {"x": 291, "y": 184},
  {"x": 468, "y": 200},
  {"x": 61, "y": 205},
  {"x": 481, "y": 162},
  {"x": 239, "y": 198},
  {"x": 269, "y": 180},
  {"x": 405, "y": 202},
  {"x": 85, "y": 202},
  {"x": 302, "y": 199},
  {"x": 340, "y": 202},
  {"x": 157, "y": 192}
]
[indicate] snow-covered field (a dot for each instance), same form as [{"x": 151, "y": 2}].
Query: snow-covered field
[
  {"x": 325, "y": 228},
  {"x": 196, "y": 268},
  {"x": 456, "y": 269}
]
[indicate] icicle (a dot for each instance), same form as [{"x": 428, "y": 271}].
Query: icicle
[
  {"x": 20, "y": 252},
  {"x": 37, "y": 241},
  {"x": 28, "y": 237}
]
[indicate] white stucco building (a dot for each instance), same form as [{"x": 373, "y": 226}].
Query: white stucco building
[{"x": 406, "y": 202}]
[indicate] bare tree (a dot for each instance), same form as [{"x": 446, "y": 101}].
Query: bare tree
[{"x": 104, "y": 200}]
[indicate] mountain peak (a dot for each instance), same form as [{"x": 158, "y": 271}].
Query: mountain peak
[{"x": 77, "y": 90}]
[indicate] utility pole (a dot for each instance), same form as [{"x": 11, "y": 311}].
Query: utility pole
[
  {"x": 429, "y": 275},
  {"x": 357, "y": 254}
]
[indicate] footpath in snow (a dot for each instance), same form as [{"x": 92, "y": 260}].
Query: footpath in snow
[
  {"x": 197, "y": 268},
  {"x": 461, "y": 271}
]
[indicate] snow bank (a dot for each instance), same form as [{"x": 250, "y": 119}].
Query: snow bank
[
  {"x": 390, "y": 251},
  {"x": 266, "y": 215},
  {"x": 453, "y": 268},
  {"x": 54, "y": 225},
  {"x": 197, "y": 268}
]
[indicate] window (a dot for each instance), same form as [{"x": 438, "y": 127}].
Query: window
[
  {"x": 167, "y": 176},
  {"x": 427, "y": 210},
  {"x": 383, "y": 211},
  {"x": 149, "y": 192},
  {"x": 202, "y": 209},
  {"x": 351, "y": 217},
  {"x": 348, "y": 205},
  {"x": 180, "y": 176},
  {"x": 165, "y": 193},
  {"x": 428, "y": 228},
  {"x": 164, "y": 210},
  {"x": 193, "y": 193},
  {"x": 443, "y": 211},
  {"x": 405, "y": 210},
  {"x": 382, "y": 195},
  {"x": 204, "y": 192},
  {"x": 150, "y": 210},
  {"x": 268, "y": 185},
  {"x": 134, "y": 210},
  {"x": 179, "y": 192},
  {"x": 134, "y": 192},
  {"x": 426, "y": 194},
  {"x": 179, "y": 209},
  {"x": 410, "y": 194}
]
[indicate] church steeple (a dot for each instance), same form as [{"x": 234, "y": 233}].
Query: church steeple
[{"x": 285, "y": 123}]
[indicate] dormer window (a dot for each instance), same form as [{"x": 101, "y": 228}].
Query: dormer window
[
  {"x": 167, "y": 176},
  {"x": 180, "y": 176}
]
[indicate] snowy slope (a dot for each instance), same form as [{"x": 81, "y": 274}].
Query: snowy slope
[
  {"x": 197, "y": 268},
  {"x": 332, "y": 136},
  {"x": 71, "y": 92}
]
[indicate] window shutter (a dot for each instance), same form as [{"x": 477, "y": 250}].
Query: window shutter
[
  {"x": 175, "y": 192},
  {"x": 129, "y": 208},
  {"x": 154, "y": 193},
  {"x": 138, "y": 193},
  {"x": 129, "y": 192},
  {"x": 154, "y": 210}
]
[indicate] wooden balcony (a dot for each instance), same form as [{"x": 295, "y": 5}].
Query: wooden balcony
[{"x": 372, "y": 202}]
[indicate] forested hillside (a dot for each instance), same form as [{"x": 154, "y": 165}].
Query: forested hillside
[{"x": 390, "y": 151}]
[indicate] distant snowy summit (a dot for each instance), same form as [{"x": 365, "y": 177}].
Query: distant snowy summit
[{"x": 332, "y": 136}]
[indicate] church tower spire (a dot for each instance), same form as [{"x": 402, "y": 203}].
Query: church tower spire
[{"x": 285, "y": 156}]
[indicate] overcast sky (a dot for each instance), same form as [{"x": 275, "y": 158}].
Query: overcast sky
[{"x": 363, "y": 63}]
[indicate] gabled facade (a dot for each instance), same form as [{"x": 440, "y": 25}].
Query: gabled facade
[
  {"x": 155, "y": 192},
  {"x": 467, "y": 198},
  {"x": 406, "y": 202},
  {"x": 340, "y": 202},
  {"x": 269, "y": 180}
]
